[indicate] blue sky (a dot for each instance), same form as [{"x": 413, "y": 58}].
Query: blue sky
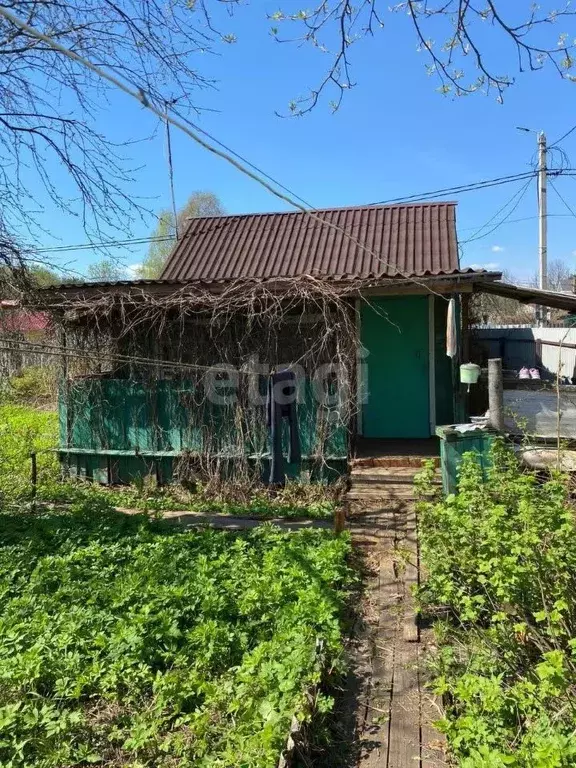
[{"x": 394, "y": 135}]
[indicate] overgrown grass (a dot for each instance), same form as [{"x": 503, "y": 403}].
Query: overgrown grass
[
  {"x": 295, "y": 501},
  {"x": 22, "y": 430},
  {"x": 37, "y": 385},
  {"x": 125, "y": 643},
  {"x": 501, "y": 557}
]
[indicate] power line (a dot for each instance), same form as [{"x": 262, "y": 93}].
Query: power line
[
  {"x": 242, "y": 158},
  {"x": 167, "y": 238},
  {"x": 182, "y": 124},
  {"x": 43, "y": 348},
  {"x": 562, "y": 198},
  {"x": 565, "y": 136},
  {"x": 518, "y": 194},
  {"x": 171, "y": 173},
  {"x": 171, "y": 238},
  {"x": 106, "y": 244},
  {"x": 462, "y": 188},
  {"x": 140, "y": 95},
  {"x": 132, "y": 241},
  {"x": 524, "y": 218},
  {"x": 474, "y": 186}
]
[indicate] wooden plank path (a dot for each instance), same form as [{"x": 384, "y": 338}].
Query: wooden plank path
[{"x": 395, "y": 712}]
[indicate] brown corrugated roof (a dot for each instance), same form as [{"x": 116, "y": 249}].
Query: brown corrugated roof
[{"x": 405, "y": 240}]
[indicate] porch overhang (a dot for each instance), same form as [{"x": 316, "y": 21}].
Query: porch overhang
[
  {"x": 456, "y": 282},
  {"x": 554, "y": 299}
]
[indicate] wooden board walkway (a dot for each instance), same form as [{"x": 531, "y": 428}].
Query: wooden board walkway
[{"x": 394, "y": 712}]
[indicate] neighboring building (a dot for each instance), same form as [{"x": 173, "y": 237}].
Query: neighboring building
[
  {"x": 282, "y": 289},
  {"x": 19, "y": 326}
]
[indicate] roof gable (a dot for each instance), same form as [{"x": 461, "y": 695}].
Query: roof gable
[{"x": 402, "y": 240}]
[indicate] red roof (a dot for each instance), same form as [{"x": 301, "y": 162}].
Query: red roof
[
  {"x": 404, "y": 240},
  {"x": 13, "y": 319}
]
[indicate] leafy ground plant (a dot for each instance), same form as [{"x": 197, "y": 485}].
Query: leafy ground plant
[
  {"x": 501, "y": 559},
  {"x": 126, "y": 643}
]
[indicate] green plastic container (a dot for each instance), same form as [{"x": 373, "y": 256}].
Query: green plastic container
[{"x": 454, "y": 444}]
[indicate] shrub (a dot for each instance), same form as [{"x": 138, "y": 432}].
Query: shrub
[
  {"x": 35, "y": 384},
  {"x": 501, "y": 561}
]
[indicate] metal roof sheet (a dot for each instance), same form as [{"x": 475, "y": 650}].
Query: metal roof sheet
[
  {"x": 402, "y": 240},
  {"x": 350, "y": 282},
  {"x": 554, "y": 299},
  {"x": 14, "y": 318}
]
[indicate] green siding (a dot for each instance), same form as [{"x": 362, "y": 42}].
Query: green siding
[
  {"x": 107, "y": 415},
  {"x": 395, "y": 331}
]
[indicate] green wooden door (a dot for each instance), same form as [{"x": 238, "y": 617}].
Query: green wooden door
[{"x": 394, "y": 330}]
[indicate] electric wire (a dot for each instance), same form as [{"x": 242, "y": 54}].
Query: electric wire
[
  {"x": 139, "y": 94},
  {"x": 462, "y": 188},
  {"x": 568, "y": 207},
  {"x": 564, "y": 136},
  {"x": 242, "y": 158},
  {"x": 44, "y": 348},
  {"x": 519, "y": 194},
  {"x": 166, "y": 238},
  {"x": 106, "y": 244},
  {"x": 523, "y": 218}
]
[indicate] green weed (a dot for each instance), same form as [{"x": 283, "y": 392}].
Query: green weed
[
  {"x": 501, "y": 559},
  {"x": 126, "y": 643},
  {"x": 22, "y": 431}
]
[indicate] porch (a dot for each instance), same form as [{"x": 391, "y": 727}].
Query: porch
[{"x": 378, "y": 448}]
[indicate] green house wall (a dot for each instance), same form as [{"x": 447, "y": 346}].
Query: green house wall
[{"x": 115, "y": 430}]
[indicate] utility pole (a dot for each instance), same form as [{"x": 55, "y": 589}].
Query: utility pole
[
  {"x": 542, "y": 214},
  {"x": 542, "y": 219}
]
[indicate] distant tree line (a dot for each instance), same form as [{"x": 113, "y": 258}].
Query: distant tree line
[{"x": 199, "y": 204}]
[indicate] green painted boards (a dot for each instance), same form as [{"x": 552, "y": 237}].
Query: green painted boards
[
  {"x": 113, "y": 430},
  {"x": 395, "y": 333}
]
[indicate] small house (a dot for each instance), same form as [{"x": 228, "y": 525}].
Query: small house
[
  {"x": 20, "y": 326},
  {"x": 174, "y": 376}
]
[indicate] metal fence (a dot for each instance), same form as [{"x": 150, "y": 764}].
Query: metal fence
[{"x": 551, "y": 350}]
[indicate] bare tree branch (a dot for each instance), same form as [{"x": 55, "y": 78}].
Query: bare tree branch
[
  {"x": 462, "y": 61},
  {"x": 49, "y": 104}
]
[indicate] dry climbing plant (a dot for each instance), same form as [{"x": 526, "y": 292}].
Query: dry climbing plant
[{"x": 193, "y": 365}]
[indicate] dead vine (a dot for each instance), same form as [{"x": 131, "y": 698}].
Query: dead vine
[{"x": 194, "y": 363}]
